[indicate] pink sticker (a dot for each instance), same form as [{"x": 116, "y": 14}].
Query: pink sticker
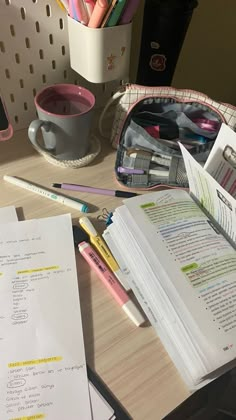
[{"x": 158, "y": 62}]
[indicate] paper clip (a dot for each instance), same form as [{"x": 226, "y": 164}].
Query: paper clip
[{"x": 106, "y": 216}]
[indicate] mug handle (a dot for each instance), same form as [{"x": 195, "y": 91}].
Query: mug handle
[{"x": 32, "y": 133}]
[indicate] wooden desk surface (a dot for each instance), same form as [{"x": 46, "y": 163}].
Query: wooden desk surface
[{"x": 130, "y": 360}]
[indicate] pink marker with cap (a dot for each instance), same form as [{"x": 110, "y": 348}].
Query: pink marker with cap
[
  {"x": 81, "y": 11},
  {"x": 98, "y": 14},
  {"x": 89, "y": 6},
  {"x": 111, "y": 283}
]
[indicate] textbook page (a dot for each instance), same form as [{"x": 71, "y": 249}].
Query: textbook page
[
  {"x": 43, "y": 371},
  {"x": 215, "y": 199},
  {"x": 197, "y": 260},
  {"x": 221, "y": 162}
]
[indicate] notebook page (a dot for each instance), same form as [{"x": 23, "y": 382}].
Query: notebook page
[
  {"x": 43, "y": 371},
  {"x": 100, "y": 408}
]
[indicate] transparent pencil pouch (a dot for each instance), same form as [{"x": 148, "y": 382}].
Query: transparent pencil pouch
[{"x": 148, "y": 125}]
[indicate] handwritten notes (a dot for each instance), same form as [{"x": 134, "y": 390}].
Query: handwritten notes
[{"x": 43, "y": 369}]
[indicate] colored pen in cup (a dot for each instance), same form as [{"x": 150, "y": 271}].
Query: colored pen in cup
[
  {"x": 89, "y": 6},
  {"x": 67, "y": 201},
  {"x": 111, "y": 283},
  {"x": 98, "y": 13},
  {"x": 79, "y": 11}
]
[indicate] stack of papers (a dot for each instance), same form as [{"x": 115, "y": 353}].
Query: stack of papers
[
  {"x": 43, "y": 371},
  {"x": 178, "y": 253}
]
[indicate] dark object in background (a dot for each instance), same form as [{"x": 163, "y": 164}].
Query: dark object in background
[
  {"x": 6, "y": 130},
  {"x": 165, "y": 23},
  {"x": 215, "y": 401}
]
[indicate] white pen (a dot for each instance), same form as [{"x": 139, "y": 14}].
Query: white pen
[{"x": 70, "y": 202}]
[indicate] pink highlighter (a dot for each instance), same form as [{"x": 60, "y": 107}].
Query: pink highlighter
[
  {"x": 89, "y": 6},
  {"x": 98, "y": 13},
  {"x": 111, "y": 283},
  {"x": 81, "y": 11}
]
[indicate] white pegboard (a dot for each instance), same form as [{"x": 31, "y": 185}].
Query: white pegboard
[{"x": 34, "y": 53}]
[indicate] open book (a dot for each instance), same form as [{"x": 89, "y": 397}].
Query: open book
[{"x": 177, "y": 249}]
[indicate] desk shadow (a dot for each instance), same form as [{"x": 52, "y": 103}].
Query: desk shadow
[
  {"x": 106, "y": 150},
  {"x": 20, "y": 214},
  {"x": 16, "y": 149},
  {"x": 86, "y": 307}
]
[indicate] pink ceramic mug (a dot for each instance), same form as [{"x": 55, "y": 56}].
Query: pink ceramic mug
[{"x": 65, "y": 116}]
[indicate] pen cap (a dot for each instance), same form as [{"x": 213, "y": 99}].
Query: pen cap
[
  {"x": 133, "y": 313},
  {"x": 87, "y": 226}
]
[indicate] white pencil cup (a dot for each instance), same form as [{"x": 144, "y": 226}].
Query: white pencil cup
[{"x": 101, "y": 54}]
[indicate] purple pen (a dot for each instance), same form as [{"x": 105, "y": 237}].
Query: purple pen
[
  {"x": 123, "y": 170},
  {"x": 103, "y": 191},
  {"x": 128, "y": 12}
]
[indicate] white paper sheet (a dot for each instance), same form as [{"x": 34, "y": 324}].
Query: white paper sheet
[
  {"x": 43, "y": 370},
  {"x": 8, "y": 214},
  {"x": 101, "y": 410},
  {"x": 215, "y": 199},
  {"x": 221, "y": 162}
]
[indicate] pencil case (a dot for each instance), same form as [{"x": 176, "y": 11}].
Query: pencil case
[{"x": 149, "y": 123}]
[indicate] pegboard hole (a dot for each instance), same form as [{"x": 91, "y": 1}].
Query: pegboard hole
[
  {"x": 8, "y": 2},
  {"x": 25, "y": 106},
  {"x": 63, "y": 50},
  {"x": 37, "y": 26},
  {"x": 65, "y": 74},
  {"x": 17, "y": 58},
  {"x": 48, "y": 10},
  {"x": 34, "y": 92},
  {"x": 53, "y": 64},
  {"x": 44, "y": 79},
  {"x": 41, "y": 55},
  {"x": 34, "y": 1},
  {"x": 27, "y": 42},
  {"x": 16, "y": 119},
  {"x": 12, "y": 30},
  {"x": 22, "y": 83},
  {"x": 12, "y": 97},
  {"x": 2, "y": 47},
  {"x": 51, "y": 39},
  {"x": 7, "y": 73},
  {"x": 61, "y": 23},
  {"x": 31, "y": 68},
  {"x": 23, "y": 13}
]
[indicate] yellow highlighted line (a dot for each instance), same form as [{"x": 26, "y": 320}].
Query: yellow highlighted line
[
  {"x": 35, "y": 362},
  {"x": 34, "y": 417},
  {"x": 36, "y": 270}
]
